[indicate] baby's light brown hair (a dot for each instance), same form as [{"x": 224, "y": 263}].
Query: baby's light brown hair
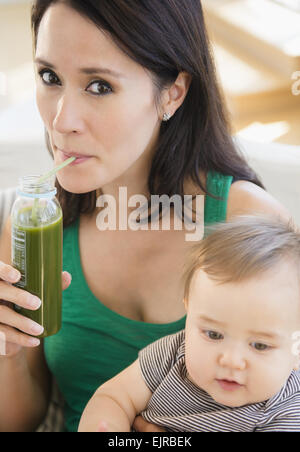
[{"x": 242, "y": 248}]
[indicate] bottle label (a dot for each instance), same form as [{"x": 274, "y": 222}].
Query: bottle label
[{"x": 19, "y": 254}]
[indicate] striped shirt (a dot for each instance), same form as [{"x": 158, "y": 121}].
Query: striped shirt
[{"x": 178, "y": 405}]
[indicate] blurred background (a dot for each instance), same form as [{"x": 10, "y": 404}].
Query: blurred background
[
  {"x": 257, "y": 49},
  {"x": 256, "y": 44},
  {"x": 22, "y": 149}
]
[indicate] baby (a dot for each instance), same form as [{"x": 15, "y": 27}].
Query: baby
[{"x": 234, "y": 367}]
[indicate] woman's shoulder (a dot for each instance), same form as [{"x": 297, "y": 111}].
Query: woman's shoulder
[
  {"x": 248, "y": 198},
  {"x": 244, "y": 197}
]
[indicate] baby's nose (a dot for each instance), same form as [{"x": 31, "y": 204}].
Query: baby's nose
[{"x": 233, "y": 359}]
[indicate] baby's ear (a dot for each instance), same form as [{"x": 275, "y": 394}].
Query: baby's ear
[
  {"x": 297, "y": 363},
  {"x": 185, "y": 302}
]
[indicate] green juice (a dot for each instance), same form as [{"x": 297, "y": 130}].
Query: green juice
[{"x": 37, "y": 254}]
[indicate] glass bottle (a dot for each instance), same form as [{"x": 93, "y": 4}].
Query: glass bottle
[{"x": 37, "y": 234}]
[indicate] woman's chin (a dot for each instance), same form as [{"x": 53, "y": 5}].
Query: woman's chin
[{"x": 75, "y": 186}]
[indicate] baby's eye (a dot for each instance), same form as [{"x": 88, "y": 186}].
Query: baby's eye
[
  {"x": 214, "y": 335},
  {"x": 259, "y": 346},
  {"x": 48, "y": 77},
  {"x": 100, "y": 88}
]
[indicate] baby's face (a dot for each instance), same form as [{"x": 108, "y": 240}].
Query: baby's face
[{"x": 239, "y": 336}]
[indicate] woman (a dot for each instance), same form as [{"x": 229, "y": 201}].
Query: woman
[{"x": 128, "y": 86}]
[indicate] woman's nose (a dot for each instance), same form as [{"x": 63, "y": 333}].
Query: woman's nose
[
  {"x": 68, "y": 115},
  {"x": 233, "y": 359}
]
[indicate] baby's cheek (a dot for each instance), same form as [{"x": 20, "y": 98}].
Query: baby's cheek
[
  {"x": 194, "y": 371},
  {"x": 267, "y": 377}
]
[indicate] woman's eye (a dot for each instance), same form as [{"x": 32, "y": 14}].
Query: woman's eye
[
  {"x": 213, "y": 335},
  {"x": 48, "y": 77},
  {"x": 100, "y": 88},
  {"x": 259, "y": 346}
]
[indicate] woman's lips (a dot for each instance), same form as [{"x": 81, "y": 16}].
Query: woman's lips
[
  {"x": 228, "y": 385},
  {"x": 79, "y": 158}
]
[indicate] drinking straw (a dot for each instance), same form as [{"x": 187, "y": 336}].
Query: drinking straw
[
  {"x": 55, "y": 170},
  {"x": 43, "y": 179}
]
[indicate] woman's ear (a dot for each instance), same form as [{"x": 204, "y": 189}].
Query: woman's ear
[{"x": 173, "y": 97}]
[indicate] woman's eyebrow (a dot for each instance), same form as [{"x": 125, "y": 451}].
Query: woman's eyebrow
[{"x": 88, "y": 70}]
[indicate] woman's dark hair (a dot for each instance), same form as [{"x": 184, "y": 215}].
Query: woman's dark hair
[{"x": 165, "y": 37}]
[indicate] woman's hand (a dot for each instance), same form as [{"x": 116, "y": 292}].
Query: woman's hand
[
  {"x": 140, "y": 425},
  {"x": 16, "y": 331}
]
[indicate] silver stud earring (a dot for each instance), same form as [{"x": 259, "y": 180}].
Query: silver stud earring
[{"x": 166, "y": 117}]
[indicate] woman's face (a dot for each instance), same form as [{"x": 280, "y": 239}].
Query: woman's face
[{"x": 95, "y": 101}]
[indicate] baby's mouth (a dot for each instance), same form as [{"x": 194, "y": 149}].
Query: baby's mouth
[{"x": 229, "y": 385}]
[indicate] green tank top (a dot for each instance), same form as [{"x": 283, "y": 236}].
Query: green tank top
[{"x": 95, "y": 343}]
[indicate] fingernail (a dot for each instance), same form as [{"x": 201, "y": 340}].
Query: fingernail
[
  {"x": 34, "y": 341},
  {"x": 14, "y": 275},
  {"x": 37, "y": 329},
  {"x": 34, "y": 301}
]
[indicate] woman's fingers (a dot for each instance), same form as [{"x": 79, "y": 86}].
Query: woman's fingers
[
  {"x": 140, "y": 425},
  {"x": 17, "y": 330},
  {"x": 18, "y": 296},
  {"x": 11, "y": 318},
  {"x": 12, "y": 336},
  {"x": 66, "y": 280},
  {"x": 8, "y": 273},
  {"x": 11, "y": 275}
]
